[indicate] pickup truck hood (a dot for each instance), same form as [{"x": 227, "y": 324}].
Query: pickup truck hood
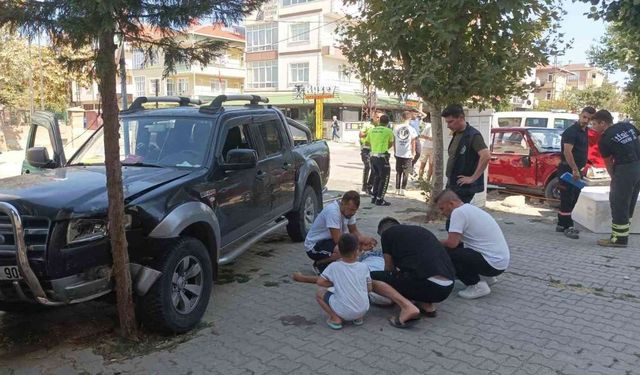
[{"x": 77, "y": 191}]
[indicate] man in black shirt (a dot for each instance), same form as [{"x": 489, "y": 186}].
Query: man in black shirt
[
  {"x": 415, "y": 264},
  {"x": 620, "y": 147},
  {"x": 575, "y": 147}
]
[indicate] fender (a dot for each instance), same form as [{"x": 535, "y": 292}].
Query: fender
[
  {"x": 309, "y": 167},
  {"x": 184, "y": 215}
]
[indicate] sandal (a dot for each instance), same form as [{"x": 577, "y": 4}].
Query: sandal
[
  {"x": 395, "y": 321},
  {"x": 358, "y": 322},
  {"x": 428, "y": 314},
  {"x": 334, "y": 326}
]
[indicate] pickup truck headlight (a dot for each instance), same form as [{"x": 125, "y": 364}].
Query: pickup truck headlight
[{"x": 83, "y": 230}]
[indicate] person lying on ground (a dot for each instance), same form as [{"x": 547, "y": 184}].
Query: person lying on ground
[
  {"x": 336, "y": 218},
  {"x": 415, "y": 264},
  {"x": 475, "y": 244}
]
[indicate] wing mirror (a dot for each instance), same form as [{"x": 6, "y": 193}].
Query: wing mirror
[
  {"x": 39, "y": 158},
  {"x": 242, "y": 158}
]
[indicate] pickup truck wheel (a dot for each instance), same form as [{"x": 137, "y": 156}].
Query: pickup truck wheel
[
  {"x": 177, "y": 301},
  {"x": 300, "y": 221},
  {"x": 551, "y": 191}
]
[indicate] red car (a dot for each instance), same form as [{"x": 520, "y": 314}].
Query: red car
[{"x": 526, "y": 159}]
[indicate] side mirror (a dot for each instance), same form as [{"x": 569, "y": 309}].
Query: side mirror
[
  {"x": 39, "y": 157},
  {"x": 240, "y": 159}
]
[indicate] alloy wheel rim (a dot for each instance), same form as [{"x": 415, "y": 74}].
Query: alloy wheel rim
[{"x": 186, "y": 285}]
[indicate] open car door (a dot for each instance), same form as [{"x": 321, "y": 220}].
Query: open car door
[{"x": 44, "y": 144}]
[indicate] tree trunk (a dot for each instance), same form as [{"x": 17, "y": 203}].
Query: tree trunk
[
  {"x": 106, "y": 74},
  {"x": 437, "y": 132}
]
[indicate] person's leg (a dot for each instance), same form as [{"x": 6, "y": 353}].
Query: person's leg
[
  {"x": 430, "y": 163},
  {"x": 634, "y": 194},
  {"x": 322, "y": 297},
  {"x": 399, "y": 167},
  {"x": 376, "y": 174},
  {"x": 622, "y": 188},
  {"x": 408, "y": 165},
  {"x": 423, "y": 163},
  {"x": 463, "y": 262},
  {"x": 323, "y": 253},
  {"x": 364, "y": 155},
  {"x": 385, "y": 173},
  {"x": 408, "y": 310}
]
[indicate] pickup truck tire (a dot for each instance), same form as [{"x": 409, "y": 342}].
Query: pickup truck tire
[
  {"x": 302, "y": 218},
  {"x": 179, "y": 298},
  {"x": 551, "y": 192}
]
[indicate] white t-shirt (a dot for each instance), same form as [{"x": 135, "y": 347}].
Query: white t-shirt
[
  {"x": 426, "y": 144},
  {"x": 329, "y": 217},
  {"x": 404, "y": 134},
  {"x": 481, "y": 233},
  {"x": 350, "y": 299}
]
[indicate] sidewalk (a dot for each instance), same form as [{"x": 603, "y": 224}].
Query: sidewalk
[{"x": 563, "y": 307}]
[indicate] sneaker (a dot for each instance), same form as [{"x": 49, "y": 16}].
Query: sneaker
[
  {"x": 382, "y": 202},
  {"x": 481, "y": 289},
  {"x": 560, "y": 228},
  {"x": 402, "y": 192},
  {"x": 397, "y": 192},
  {"x": 490, "y": 280},
  {"x": 572, "y": 232},
  {"x": 358, "y": 322},
  {"x": 611, "y": 242},
  {"x": 379, "y": 300}
]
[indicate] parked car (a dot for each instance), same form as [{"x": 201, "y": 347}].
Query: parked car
[
  {"x": 201, "y": 185},
  {"x": 527, "y": 159},
  {"x": 554, "y": 120}
]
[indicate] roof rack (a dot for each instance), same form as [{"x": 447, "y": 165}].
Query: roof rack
[
  {"x": 181, "y": 100},
  {"x": 216, "y": 103}
]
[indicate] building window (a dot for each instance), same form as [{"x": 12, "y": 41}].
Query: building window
[
  {"x": 154, "y": 86},
  {"x": 262, "y": 74},
  {"x": 263, "y": 37},
  {"x": 299, "y": 32},
  {"x": 294, "y": 2},
  {"x": 138, "y": 59},
  {"x": 299, "y": 73},
  {"x": 344, "y": 73},
  {"x": 171, "y": 87},
  {"x": 593, "y": 75},
  {"x": 183, "y": 86},
  {"x": 140, "y": 86},
  {"x": 550, "y": 77},
  {"x": 548, "y": 96},
  {"x": 218, "y": 86}
]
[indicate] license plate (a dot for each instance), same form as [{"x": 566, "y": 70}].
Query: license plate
[{"x": 9, "y": 273}]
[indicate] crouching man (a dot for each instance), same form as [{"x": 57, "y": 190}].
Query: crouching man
[{"x": 484, "y": 250}]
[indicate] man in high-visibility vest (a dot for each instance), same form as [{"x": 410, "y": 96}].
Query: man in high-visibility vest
[{"x": 380, "y": 139}]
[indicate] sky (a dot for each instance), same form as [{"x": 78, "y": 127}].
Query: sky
[{"x": 585, "y": 32}]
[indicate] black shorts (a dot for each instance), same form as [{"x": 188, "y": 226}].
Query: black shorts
[
  {"x": 323, "y": 249},
  {"x": 422, "y": 290},
  {"x": 326, "y": 297}
]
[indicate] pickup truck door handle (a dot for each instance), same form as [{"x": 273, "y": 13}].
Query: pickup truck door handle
[
  {"x": 261, "y": 175},
  {"x": 286, "y": 166}
]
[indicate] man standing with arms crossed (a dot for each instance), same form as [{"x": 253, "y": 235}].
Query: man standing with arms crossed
[
  {"x": 575, "y": 148},
  {"x": 380, "y": 139},
  {"x": 404, "y": 148},
  {"x": 468, "y": 155},
  {"x": 620, "y": 147}
]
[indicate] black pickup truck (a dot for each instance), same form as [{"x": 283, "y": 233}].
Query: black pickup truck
[{"x": 202, "y": 183}]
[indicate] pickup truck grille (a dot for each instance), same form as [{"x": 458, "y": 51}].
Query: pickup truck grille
[{"x": 36, "y": 230}]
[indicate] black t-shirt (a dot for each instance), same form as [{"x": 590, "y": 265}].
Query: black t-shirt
[
  {"x": 578, "y": 137},
  {"x": 621, "y": 142},
  {"x": 416, "y": 251}
]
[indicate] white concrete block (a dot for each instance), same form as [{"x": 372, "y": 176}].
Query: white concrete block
[{"x": 594, "y": 213}]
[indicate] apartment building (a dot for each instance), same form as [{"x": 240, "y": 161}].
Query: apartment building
[
  {"x": 292, "y": 48},
  {"x": 584, "y": 76},
  {"x": 553, "y": 82}
]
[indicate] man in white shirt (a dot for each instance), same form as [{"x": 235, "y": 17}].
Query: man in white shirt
[
  {"x": 426, "y": 155},
  {"x": 475, "y": 244},
  {"x": 335, "y": 219},
  {"x": 404, "y": 148}
]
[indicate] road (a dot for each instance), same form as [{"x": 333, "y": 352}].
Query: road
[{"x": 563, "y": 307}]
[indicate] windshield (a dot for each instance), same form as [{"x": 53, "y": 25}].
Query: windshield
[
  {"x": 546, "y": 140},
  {"x": 153, "y": 141}
]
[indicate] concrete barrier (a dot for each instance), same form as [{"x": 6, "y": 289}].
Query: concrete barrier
[{"x": 594, "y": 213}]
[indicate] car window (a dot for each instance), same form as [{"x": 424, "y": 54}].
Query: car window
[
  {"x": 237, "y": 137},
  {"x": 510, "y": 143},
  {"x": 546, "y": 140},
  {"x": 509, "y": 122},
  {"x": 270, "y": 135},
  {"x": 536, "y": 122},
  {"x": 43, "y": 139},
  {"x": 299, "y": 136},
  {"x": 562, "y": 123}
]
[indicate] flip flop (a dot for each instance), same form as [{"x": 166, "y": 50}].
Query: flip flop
[
  {"x": 358, "y": 322},
  {"x": 428, "y": 314},
  {"x": 395, "y": 321},
  {"x": 334, "y": 326}
]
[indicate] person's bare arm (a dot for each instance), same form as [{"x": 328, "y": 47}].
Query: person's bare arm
[
  {"x": 452, "y": 241},
  {"x": 366, "y": 242},
  {"x": 324, "y": 282},
  {"x": 369, "y": 287},
  {"x": 413, "y": 146},
  {"x": 484, "y": 155},
  {"x": 568, "y": 155},
  {"x": 388, "y": 263}
]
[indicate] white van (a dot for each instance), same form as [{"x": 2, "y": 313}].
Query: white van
[{"x": 557, "y": 120}]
